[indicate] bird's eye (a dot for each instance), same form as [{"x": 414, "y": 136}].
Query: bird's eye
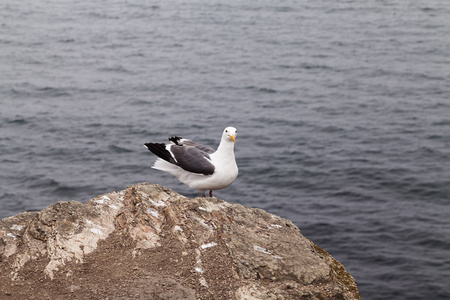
[{"x": 226, "y": 130}]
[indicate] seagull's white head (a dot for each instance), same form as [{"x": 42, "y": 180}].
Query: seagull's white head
[{"x": 229, "y": 133}]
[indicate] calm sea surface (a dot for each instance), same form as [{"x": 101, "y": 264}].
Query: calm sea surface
[{"x": 342, "y": 108}]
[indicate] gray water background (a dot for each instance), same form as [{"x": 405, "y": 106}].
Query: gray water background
[{"x": 342, "y": 109}]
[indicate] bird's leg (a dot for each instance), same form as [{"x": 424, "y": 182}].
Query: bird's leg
[
  {"x": 203, "y": 194},
  {"x": 210, "y": 193}
]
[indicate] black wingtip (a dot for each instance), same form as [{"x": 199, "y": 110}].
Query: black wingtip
[
  {"x": 175, "y": 140},
  {"x": 160, "y": 150}
]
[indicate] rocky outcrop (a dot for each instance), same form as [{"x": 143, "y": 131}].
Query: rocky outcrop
[{"x": 148, "y": 242}]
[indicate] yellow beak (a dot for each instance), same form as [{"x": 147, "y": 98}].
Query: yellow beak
[{"x": 233, "y": 138}]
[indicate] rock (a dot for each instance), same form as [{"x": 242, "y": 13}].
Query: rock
[{"x": 148, "y": 242}]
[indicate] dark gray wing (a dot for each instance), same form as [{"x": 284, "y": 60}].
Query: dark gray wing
[
  {"x": 192, "y": 159},
  {"x": 185, "y": 142}
]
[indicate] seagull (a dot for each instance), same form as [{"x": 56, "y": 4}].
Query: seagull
[{"x": 198, "y": 166}]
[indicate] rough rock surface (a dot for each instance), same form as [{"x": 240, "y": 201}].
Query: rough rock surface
[{"x": 148, "y": 242}]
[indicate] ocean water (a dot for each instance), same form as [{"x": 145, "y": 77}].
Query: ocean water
[{"x": 342, "y": 109}]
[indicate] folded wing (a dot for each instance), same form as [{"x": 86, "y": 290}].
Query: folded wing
[
  {"x": 188, "y": 157},
  {"x": 185, "y": 142}
]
